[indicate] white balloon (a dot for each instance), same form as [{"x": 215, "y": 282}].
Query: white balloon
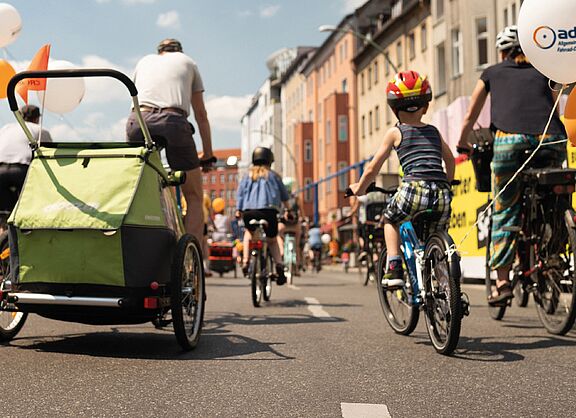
[
  {"x": 326, "y": 238},
  {"x": 62, "y": 95},
  {"x": 547, "y": 33},
  {"x": 10, "y": 24}
]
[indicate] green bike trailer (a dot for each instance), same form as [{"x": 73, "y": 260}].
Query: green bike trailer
[{"x": 97, "y": 237}]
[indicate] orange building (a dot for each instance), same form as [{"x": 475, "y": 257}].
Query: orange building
[{"x": 223, "y": 180}]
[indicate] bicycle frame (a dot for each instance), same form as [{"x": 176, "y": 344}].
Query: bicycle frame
[{"x": 413, "y": 251}]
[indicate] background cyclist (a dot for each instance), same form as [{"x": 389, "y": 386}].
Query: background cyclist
[
  {"x": 261, "y": 195},
  {"x": 315, "y": 243},
  {"x": 15, "y": 157},
  {"x": 421, "y": 150},
  {"x": 290, "y": 223},
  {"x": 520, "y": 105}
]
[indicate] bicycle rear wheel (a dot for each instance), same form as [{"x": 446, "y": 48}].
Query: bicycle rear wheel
[
  {"x": 556, "y": 284},
  {"x": 188, "y": 292},
  {"x": 255, "y": 281},
  {"x": 443, "y": 297},
  {"x": 267, "y": 280},
  {"x": 496, "y": 312},
  {"x": 397, "y": 305},
  {"x": 370, "y": 269}
]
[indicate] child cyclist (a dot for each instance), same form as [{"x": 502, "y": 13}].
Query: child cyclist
[
  {"x": 421, "y": 150},
  {"x": 261, "y": 194}
]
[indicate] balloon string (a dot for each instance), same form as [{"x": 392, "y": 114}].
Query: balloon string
[{"x": 453, "y": 248}]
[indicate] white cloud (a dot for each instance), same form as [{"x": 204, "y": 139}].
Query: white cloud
[
  {"x": 97, "y": 132},
  {"x": 224, "y": 112},
  {"x": 104, "y": 89},
  {"x": 169, "y": 19},
  {"x": 269, "y": 11},
  {"x": 245, "y": 13},
  {"x": 349, "y": 6}
]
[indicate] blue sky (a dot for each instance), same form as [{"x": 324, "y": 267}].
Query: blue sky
[{"x": 229, "y": 39}]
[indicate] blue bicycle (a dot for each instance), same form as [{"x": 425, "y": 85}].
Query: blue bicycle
[{"x": 432, "y": 282}]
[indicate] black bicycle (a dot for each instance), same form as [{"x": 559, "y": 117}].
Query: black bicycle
[
  {"x": 545, "y": 259},
  {"x": 261, "y": 267}
]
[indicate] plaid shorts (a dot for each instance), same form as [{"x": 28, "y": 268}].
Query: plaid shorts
[{"x": 416, "y": 196}]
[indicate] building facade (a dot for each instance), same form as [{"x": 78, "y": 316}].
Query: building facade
[{"x": 223, "y": 180}]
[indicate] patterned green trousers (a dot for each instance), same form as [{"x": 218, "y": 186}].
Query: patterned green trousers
[{"x": 509, "y": 154}]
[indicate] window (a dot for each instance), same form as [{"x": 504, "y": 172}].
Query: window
[
  {"x": 457, "y": 56},
  {"x": 377, "y": 118},
  {"x": 441, "y": 69},
  {"x": 369, "y": 78},
  {"x": 308, "y": 150},
  {"x": 423, "y": 37},
  {"x": 222, "y": 194},
  {"x": 387, "y": 63},
  {"x": 308, "y": 191},
  {"x": 370, "y": 122},
  {"x": 482, "y": 41},
  {"x": 399, "y": 54},
  {"x": 342, "y": 178},
  {"x": 230, "y": 178},
  {"x": 212, "y": 194},
  {"x": 513, "y": 15},
  {"x": 204, "y": 180},
  {"x": 328, "y": 132},
  {"x": 344, "y": 86},
  {"x": 363, "y": 127},
  {"x": 319, "y": 111},
  {"x": 343, "y": 128},
  {"x": 376, "y": 71},
  {"x": 213, "y": 179},
  {"x": 439, "y": 9},
  {"x": 328, "y": 182},
  {"x": 222, "y": 179},
  {"x": 411, "y": 46},
  {"x": 362, "y": 83},
  {"x": 506, "y": 21}
]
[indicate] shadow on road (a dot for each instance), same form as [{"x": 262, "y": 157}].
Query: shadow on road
[{"x": 159, "y": 345}]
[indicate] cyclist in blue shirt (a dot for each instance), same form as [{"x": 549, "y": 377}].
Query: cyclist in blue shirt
[{"x": 261, "y": 195}]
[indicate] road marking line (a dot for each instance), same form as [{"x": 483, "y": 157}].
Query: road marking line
[
  {"x": 364, "y": 410},
  {"x": 316, "y": 309},
  {"x": 291, "y": 286}
]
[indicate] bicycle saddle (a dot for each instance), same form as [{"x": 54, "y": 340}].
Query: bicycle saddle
[{"x": 426, "y": 215}]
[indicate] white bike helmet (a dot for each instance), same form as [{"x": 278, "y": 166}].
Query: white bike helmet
[{"x": 508, "y": 38}]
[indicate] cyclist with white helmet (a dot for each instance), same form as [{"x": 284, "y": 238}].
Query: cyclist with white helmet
[
  {"x": 290, "y": 222},
  {"x": 520, "y": 105}
]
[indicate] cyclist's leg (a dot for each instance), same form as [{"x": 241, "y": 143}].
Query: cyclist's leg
[
  {"x": 192, "y": 189},
  {"x": 280, "y": 237},
  {"x": 508, "y": 150}
]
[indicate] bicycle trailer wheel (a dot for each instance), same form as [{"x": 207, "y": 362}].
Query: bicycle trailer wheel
[{"x": 11, "y": 320}]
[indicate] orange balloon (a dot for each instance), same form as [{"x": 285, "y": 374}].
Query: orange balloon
[
  {"x": 570, "y": 117},
  {"x": 6, "y": 73}
]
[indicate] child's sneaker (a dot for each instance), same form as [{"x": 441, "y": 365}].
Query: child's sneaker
[{"x": 393, "y": 279}]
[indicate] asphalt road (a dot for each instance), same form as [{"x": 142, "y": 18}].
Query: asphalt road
[{"x": 320, "y": 349}]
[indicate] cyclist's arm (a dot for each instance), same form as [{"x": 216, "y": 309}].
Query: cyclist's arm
[
  {"x": 392, "y": 137},
  {"x": 449, "y": 162},
  {"x": 201, "y": 117},
  {"x": 477, "y": 101}
]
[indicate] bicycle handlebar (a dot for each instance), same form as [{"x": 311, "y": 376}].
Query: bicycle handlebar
[
  {"x": 373, "y": 188},
  {"x": 69, "y": 73}
]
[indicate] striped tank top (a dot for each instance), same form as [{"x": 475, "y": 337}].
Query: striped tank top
[{"x": 420, "y": 153}]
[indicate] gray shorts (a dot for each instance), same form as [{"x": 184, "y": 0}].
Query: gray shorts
[{"x": 169, "y": 130}]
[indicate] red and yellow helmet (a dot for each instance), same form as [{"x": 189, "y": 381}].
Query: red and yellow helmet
[{"x": 408, "y": 91}]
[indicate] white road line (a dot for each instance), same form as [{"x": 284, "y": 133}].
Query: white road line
[
  {"x": 364, "y": 410},
  {"x": 316, "y": 309}
]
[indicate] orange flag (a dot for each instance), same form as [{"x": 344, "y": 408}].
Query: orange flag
[{"x": 39, "y": 63}]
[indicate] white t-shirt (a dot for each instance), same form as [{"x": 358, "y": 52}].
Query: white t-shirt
[
  {"x": 167, "y": 80},
  {"x": 14, "y": 145}
]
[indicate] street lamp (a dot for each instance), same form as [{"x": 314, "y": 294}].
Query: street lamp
[{"x": 348, "y": 29}]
